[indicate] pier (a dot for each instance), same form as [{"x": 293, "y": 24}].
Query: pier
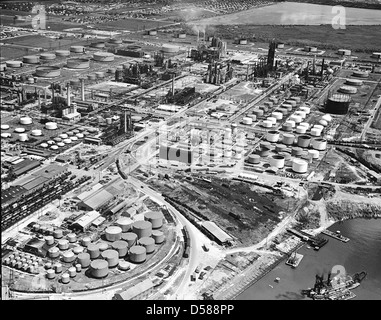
[
  {"x": 315, "y": 242},
  {"x": 336, "y": 236}
]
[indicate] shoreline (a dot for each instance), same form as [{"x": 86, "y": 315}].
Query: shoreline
[{"x": 251, "y": 282}]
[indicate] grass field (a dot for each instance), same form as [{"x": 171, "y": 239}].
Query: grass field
[{"x": 132, "y": 24}]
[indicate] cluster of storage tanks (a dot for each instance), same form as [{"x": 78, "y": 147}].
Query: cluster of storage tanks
[
  {"x": 23, "y": 261},
  {"x": 124, "y": 239},
  {"x": 63, "y": 139}
]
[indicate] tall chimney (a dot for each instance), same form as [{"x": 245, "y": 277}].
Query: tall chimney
[
  {"x": 173, "y": 84},
  {"x": 68, "y": 94},
  {"x": 125, "y": 121},
  {"x": 52, "y": 91},
  {"x": 322, "y": 70},
  {"x": 82, "y": 89}
]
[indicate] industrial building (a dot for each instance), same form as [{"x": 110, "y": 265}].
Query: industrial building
[
  {"x": 96, "y": 200},
  {"x": 139, "y": 291}
]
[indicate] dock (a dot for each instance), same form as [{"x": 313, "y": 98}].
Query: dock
[
  {"x": 315, "y": 242},
  {"x": 336, "y": 236},
  {"x": 294, "y": 260}
]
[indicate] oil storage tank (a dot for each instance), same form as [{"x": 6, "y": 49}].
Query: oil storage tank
[
  {"x": 124, "y": 223},
  {"x": 299, "y": 166},
  {"x": 103, "y": 56},
  {"x": 158, "y": 236},
  {"x": 78, "y": 63},
  {"x": 338, "y": 104},
  {"x": 148, "y": 243},
  {"x": 68, "y": 256},
  {"x": 112, "y": 257},
  {"x": 14, "y": 64},
  {"x": 142, "y": 228},
  {"x": 62, "y": 53},
  {"x": 130, "y": 237},
  {"x": 277, "y": 161},
  {"x": 84, "y": 259},
  {"x": 47, "y": 56},
  {"x": 137, "y": 254},
  {"x": 254, "y": 159},
  {"x": 113, "y": 233},
  {"x": 77, "y": 49},
  {"x": 93, "y": 250},
  {"x": 272, "y": 136},
  {"x": 121, "y": 247},
  {"x": 99, "y": 268},
  {"x": 31, "y": 59},
  {"x": 304, "y": 141},
  {"x": 288, "y": 139},
  {"x": 155, "y": 217},
  {"x": 319, "y": 144},
  {"x": 48, "y": 71}
]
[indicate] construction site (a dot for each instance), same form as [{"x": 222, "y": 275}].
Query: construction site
[{"x": 130, "y": 158}]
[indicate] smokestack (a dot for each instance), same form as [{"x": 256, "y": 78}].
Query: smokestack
[
  {"x": 125, "y": 121},
  {"x": 52, "y": 91},
  {"x": 68, "y": 94},
  {"x": 83, "y": 89},
  {"x": 322, "y": 70}
]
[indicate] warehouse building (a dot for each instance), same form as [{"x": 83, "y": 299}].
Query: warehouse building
[
  {"x": 96, "y": 200},
  {"x": 140, "y": 291},
  {"x": 85, "y": 221},
  {"x": 218, "y": 234}
]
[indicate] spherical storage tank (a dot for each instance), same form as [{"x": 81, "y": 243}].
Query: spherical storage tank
[
  {"x": 158, "y": 236},
  {"x": 99, "y": 268},
  {"x": 124, "y": 223},
  {"x": 47, "y": 56},
  {"x": 148, "y": 243},
  {"x": 142, "y": 228},
  {"x": 103, "y": 56},
  {"x": 155, "y": 217},
  {"x": 137, "y": 254},
  {"x": 83, "y": 259},
  {"x": 14, "y": 64},
  {"x": 31, "y": 59},
  {"x": 25, "y": 120},
  {"x": 48, "y": 71},
  {"x": 121, "y": 247},
  {"x": 77, "y": 63},
  {"x": 51, "y": 125},
  {"x": 130, "y": 237},
  {"x": 93, "y": 250},
  {"x": 299, "y": 166},
  {"x": 277, "y": 161},
  {"x": 112, "y": 257},
  {"x": 62, "y": 53},
  {"x": 319, "y": 144},
  {"x": 113, "y": 233}
]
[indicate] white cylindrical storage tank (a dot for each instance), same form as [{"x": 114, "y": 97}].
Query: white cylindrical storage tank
[
  {"x": 277, "y": 115},
  {"x": 314, "y": 154},
  {"x": 72, "y": 237},
  {"x": 36, "y": 132},
  {"x": 60, "y": 144},
  {"x": 58, "y": 233},
  {"x": 79, "y": 135},
  {"x": 78, "y": 249},
  {"x": 4, "y": 126},
  {"x": 288, "y": 138},
  {"x": 51, "y": 125},
  {"x": 67, "y": 141},
  {"x": 348, "y": 89},
  {"x": 297, "y": 119},
  {"x": 142, "y": 228},
  {"x": 103, "y": 56},
  {"x": 272, "y": 119},
  {"x": 272, "y": 136},
  {"x": 49, "y": 240},
  {"x": 247, "y": 120},
  {"x": 58, "y": 267},
  {"x": 291, "y": 123},
  {"x": 63, "y": 244},
  {"x": 53, "y": 252},
  {"x": 78, "y": 267},
  {"x": 301, "y": 129},
  {"x": 305, "y": 124},
  {"x": 23, "y": 137},
  {"x": 158, "y": 236},
  {"x": 113, "y": 233},
  {"x": 300, "y": 113},
  {"x": 137, "y": 254},
  {"x": 86, "y": 241},
  {"x": 77, "y": 49},
  {"x": 103, "y": 246},
  {"x": 112, "y": 257},
  {"x": 14, "y": 64},
  {"x": 267, "y": 124},
  {"x": 130, "y": 237},
  {"x": 84, "y": 259},
  {"x": 124, "y": 223},
  {"x": 77, "y": 63},
  {"x": 299, "y": 166},
  {"x": 155, "y": 217},
  {"x": 31, "y": 59},
  {"x": 72, "y": 272},
  {"x": 327, "y": 117},
  {"x": 148, "y": 243},
  {"x": 74, "y": 138},
  {"x": 307, "y": 110},
  {"x": 63, "y": 136},
  {"x": 47, "y": 56},
  {"x": 319, "y": 144},
  {"x": 54, "y": 147},
  {"x": 304, "y": 141},
  {"x": 123, "y": 265},
  {"x": 50, "y": 274},
  {"x": 323, "y": 123},
  {"x": 315, "y": 132},
  {"x": 99, "y": 268},
  {"x": 277, "y": 161},
  {"x": 62, "y": 53},
  {"x": 25, "y": 120},
  {"x": 65, "y": 278},
  {"x": 68, "y": 256},
  {"x": 93, "y": 250},
  {"x": 121, "y": 247}
]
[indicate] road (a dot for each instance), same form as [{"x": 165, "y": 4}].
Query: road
[{"x": 370, "y": 120}]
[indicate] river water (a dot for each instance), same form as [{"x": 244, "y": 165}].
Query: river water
[{"x": 361, "y": 253}]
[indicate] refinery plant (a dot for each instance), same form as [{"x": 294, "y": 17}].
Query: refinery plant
[{"x": 166, "y": 162}]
